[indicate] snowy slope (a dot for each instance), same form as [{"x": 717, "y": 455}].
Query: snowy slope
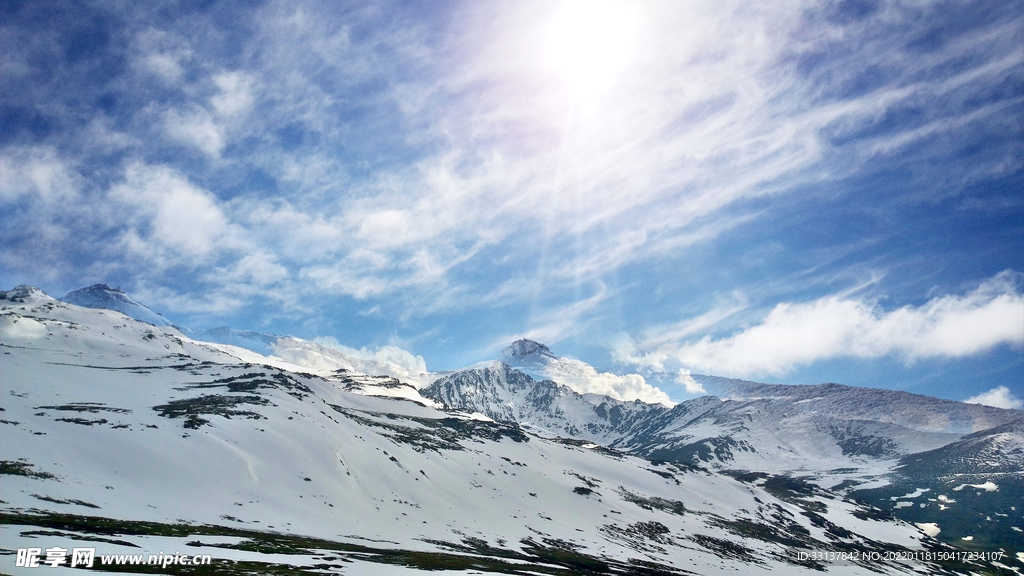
[
  {"x": 107, "y": 417},
  {"x": 970, "y": 491}
]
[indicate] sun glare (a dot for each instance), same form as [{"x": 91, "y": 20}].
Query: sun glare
[{"x": 589, "y": 42}]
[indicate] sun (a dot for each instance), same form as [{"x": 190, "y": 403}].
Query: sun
[{"x": 589, "y": 43}]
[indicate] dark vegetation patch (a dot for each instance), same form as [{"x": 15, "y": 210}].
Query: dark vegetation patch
[
  {"x": 666, "y": 475},
  {"x": 592, "y": 446},
  {"x": 590, "y": 482},
  {"x": 781, "y": 531},
  {"x": 220, "y": 405},
  {"x": 90, "y": 407},
  {"x": 792, "y": 489},
  {"x": 253, "y": 382},
  {"x": 435, "y": 434},
  {"x": 82, "y": 421},
  {"x": 75, "y": 536},
  {"x": 988, "y": 517},
  {"x": 719, "y": 448},
  {"x": 855, "y": 443},
  {"x": 68, "y": 501},
  {"x": 21, "y": 468},
  {"x": 727, "y": 548},
  {"x": 680, "y": 467},
  {"x": 653, "y": 502},
  {"x": 640, "y": 536}
]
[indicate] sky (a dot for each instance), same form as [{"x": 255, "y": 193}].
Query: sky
[{"x": 790, "y": 192}]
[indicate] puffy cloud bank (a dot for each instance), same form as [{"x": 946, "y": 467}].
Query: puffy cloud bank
[
  {"x": 328, "y": 354},
  {"x": 585, "y": 379},
  {"x": 795, "y": 334},
  {"x": 1000, "y": 397}
]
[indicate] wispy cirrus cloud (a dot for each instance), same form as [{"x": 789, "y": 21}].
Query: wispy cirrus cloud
[{"x": 426, "y": 161}]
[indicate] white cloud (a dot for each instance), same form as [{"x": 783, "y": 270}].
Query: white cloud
[
  {"x": 200, "y": 306},
  {"x": 689, "y": 384},
  {"x": 234, "y": 94},
  {"x": 833, "y": 327},
  {"x": 585, "y": 379},
  {"x": 326, "y": 353},
  {"x": 257, "y": 269},
  {"x": 341, "y": 280},
  {"x": 37, "y": 172},
  {"x": 401, "y": 160},
  {"x": 708, "y": 113},
  {"x": 162, "y": 54},
  {"x": 195, "y": 128},
  {"x": 1000, "y": 397},
  {"x": 170, "y": 217}
]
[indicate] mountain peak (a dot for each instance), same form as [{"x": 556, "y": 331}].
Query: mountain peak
[
  {"x": 103, "y": 296},
  {"x": 524, "y": 350},
  {"x": 23, "y": 293},
  {"x": 100, "y": 288}
]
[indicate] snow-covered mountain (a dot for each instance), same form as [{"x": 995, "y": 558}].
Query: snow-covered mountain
[
  {"x": 762, "y": 434},
  {"x": 133, "y": 438},
  {"x": 505, "y": 394},
  {"x": 914, "y": 411},
  {"x": 524, "y": 353},
  {"x": 860, "y": 441},
  {"x": 102, "y": 296}
]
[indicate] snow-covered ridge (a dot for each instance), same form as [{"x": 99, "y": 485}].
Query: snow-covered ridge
[
  {"x": 913, "y": 411},
  {"x": 316, "y": 356}
]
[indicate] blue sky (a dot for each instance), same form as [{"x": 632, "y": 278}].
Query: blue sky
[{"x": 794, "y": 192}]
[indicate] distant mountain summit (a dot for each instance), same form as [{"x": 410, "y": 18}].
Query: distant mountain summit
[
  {"x": 23, "y": 294},
  {"x": 102, "y": 296},
  {"x": 913, "y": 411},
  {"x": 537, "y": 360},
  {"x": 525, "y": 352},
  {"x": 506, "y": 394}
]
